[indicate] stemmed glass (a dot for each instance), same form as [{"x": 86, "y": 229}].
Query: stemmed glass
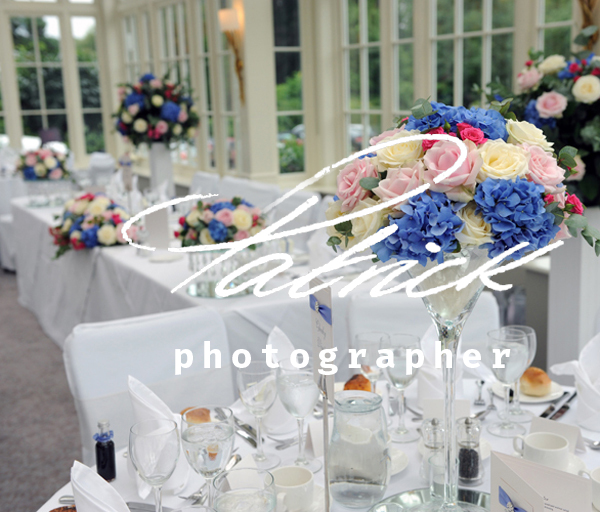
[
  {"x": 516, "y": 413},
  {"x": 370, "y": 342},
  {"x": 299, "y": 394},
  {"x": 245, "y": 490},
  {"x": 258, "y": 391},
  {"x": 514, "y": 364},
  {"x": 207, "y": 435},
  {"x": 154, "y": 451},
  {"x": 399, "y": 378}
]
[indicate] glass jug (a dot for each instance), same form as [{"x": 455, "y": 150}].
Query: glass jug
[{"x": 359, "y": 460}]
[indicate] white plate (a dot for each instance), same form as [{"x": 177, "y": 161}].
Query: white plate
[
  {"x": 556, "y": 391},
  {"x": 574, "y": 466},
  {"x": 399, "y": 460},
  {"x": 484, "y": 445}
]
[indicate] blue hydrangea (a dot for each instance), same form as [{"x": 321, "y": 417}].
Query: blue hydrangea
[
  {"x": 29, "y": 173},
  {"x": 134, "y": 98},
  {"x": 532, "y": 116},
  {"x": 170, "y": 111},
  {"x": 428, "y": 217},
  {"x": 90, "y": 237},
  {"x": 246, "y": 203},
  {"x": 120, "y": 126},
  {"x": 515, "y": 211},
  {"x": 368, "y": 155},
  {"x": 490, "y": 122},
  {"x": 217, "y": 230},
  {"x": 219, "y": 206},
  {"x": 147, "y": 77}
]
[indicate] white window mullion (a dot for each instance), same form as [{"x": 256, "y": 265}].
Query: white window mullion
[
  {"x": 433, "y": 50},
  {"x": 459, "y": 11},
  {"x": 486, "y": 57}
]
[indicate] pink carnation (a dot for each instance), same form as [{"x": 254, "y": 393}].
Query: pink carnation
[
  {"x": 529, "y": 78},
  {"x": 162, "y": 127},
  {"x": 428, "y": 144},
  {"x": 400, "y": 181},
  {"x": 468, "y": 132},
  {"x": 207, "y": 216},
  {"x": 384, "y": 135},
  {"x": 543, "y": 169},
  {"x": 551, "y": 104},
  {"x": 241, "y": 235},
  {"x": 183, "y": 116},
  {"x": 349, "y": 189},
  {"x": 133, "y": 109},
  {"x": 225, "y": 216},
  {"x": 131, "y": 232},
  {"x": 55, "y": 174},
  {"x": 30, "y": 160},
  {"x": 576, "y": 203}
]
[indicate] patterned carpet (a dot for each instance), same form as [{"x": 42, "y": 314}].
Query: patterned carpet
[{"x": 39, "y": 433}]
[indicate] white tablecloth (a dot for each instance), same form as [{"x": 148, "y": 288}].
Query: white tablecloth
[
  {"x": 10, "y": 187},
  {"x": 406, "y": 480}
]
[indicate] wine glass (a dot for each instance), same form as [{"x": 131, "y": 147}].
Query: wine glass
[
  {"x": 207, "y": 435},
  {"x": 245, "y": 490},
  {"x": 154, "y": 451},
  {"x": 514, "y": 364},
  {"x": 299, "y": 394},
  {"x": 370, "y": 342},
  {"x": 399, "y": 344},
  {"x": 258, "y": 391},
  {"x": 518, "y": 414}
]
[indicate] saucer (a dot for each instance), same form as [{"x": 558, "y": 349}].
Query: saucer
[
  {"x": 399, "y": 460},
  {"x": 484, "y": 445},
  {"x": 556, "y": 391},
  {"x": 574, "y": 466}
]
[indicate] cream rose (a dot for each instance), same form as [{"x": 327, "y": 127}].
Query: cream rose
[
  {"x": 333, "y": 212},
  {"x": 552, "y": 64},
  {"x": 193, "y": 217},
  {"x": 587, "y": 89},
  {"x": 40, "y": 170},
  {"x": 126, "y": 118},
  {"x": 255, "y": 230},
  {"x": 79, "y": 207},
  {"x": 400, "y": 154},
  {"x": 69, "y": 204},
  {"x": 205, "y": 238},
  {"x": 140, "y": 125},
  {"x": 76, "y": 235},
  {"x": 502, "y": 161},
  {"x": 191, "y": 133},
  {"x": 177, "y": 129},
  {"x": 50, "y": 162},
  {"x": 522, "y": 132},
  {"x": 107, "y": 235},
  {"x": 67, "y": 225},
  {"x": 98, "y": 205},
  {"x": 157, "y": 100},
  {"x": 364, "y": 227},
  {"x": 242, "y": 220},
  {"x": 475, "y": 231}
]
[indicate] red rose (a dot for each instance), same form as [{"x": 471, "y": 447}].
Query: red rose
[
  {"x": 596, "y": 71},
  {"x": 116, "y": 219},
  {"x": 78, "y": 245},
  {"x": 529, "y": 63},
  {"x": 574, "y": 67},
  {"x": 181, "y": 221},
  {"x": 176, "y": 233},
  {"x": 468, "y": 132},
  {"x": 584, "y": 62},
  {"x": 573, "y": 200}
]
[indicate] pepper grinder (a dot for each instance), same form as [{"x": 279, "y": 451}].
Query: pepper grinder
[{"x": 470, "y": 467}]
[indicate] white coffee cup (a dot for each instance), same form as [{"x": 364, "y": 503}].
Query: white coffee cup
[
  {"x": 544, "y": 448},
  {"x": 594, "y": 476},
  {"x": 294, "y": 486}
]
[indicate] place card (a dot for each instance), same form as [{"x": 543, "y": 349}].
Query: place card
[
  {"x": 571, "y": 432},
  {"x": 244, "y": 479},
  {"x": 314, "y": 437},
  {"x": 434, "y": 408},
  {"x": 531, "y": 487},
  {"x": 322, "y": 330}
]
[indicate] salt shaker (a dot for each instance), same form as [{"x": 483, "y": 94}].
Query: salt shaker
[
  {"x": 433, "y": 443},
  {"x": 470, "y": 467}
]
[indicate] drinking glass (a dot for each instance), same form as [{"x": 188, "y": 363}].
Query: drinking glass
[
  {"x": 258, "y": 391},
  {"x": 154, "y": 451},
  {"x": 399, "y": 344},
  {"x": 514, "y": 364},
  {"x": 245, "y": 490},
  {"x": 370, "y": 342},
  {"x": 516, "y": 413},
  {"x": 208, "y": 445},
  {"x": 299, "y": 394}
]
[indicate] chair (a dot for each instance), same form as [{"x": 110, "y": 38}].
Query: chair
[
  {"x": 255, "y": 192},
  {"x": 205, "y": 183},
  {"x": 307, "y": 218},
  {"x": 99, "y": 357}
]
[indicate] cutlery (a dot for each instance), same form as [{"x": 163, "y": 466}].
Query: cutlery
[
  {"x": 551, "y": 408},
  {"x": 594, "y": 445},
  {"x": 286, "y": 444},
  {"x": 244, "y": 426},
  {"x": 242, "y": 431},
  {"x": 565, "y": 407},
  {"x": 491, "y": 407},
  {"x": 233, "y": 460},
  {"x": 479, "y": 400},
  {"x": 246, "y": 437}
]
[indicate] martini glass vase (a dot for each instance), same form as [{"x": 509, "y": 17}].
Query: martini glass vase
[{"x": 449, "y": 310}]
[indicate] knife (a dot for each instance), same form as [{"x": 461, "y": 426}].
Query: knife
[
  {"x": 135, "y": 506},
  {"x": 565, "y": 407},
  {"x": 246, "y": 437},
  {"x": 244, "y": 426},
  {"x": 551, "y": 408}
]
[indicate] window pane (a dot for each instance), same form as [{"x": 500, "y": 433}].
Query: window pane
[
  {"x": 405, "y": 80},
  {"x": 558, "y": 10},
  {"x": 445, "y": 16},
  {"x": 557, "y": 40},
  {"x": 22, "y": 39},
  {"x": 94, "y": 136},
  {"x": 355, "y": 132},
  {"x": 353, "y": 21},
  {"x": 289, "y": 81},
  {"x": 207, "y": 82},
  {"x": 471, "y": 69},
  {"x": 473, "y": 15},
  {"x": 2, "y": 130},
  {"x": 374, "y": 126},
  {"x": 502, "y": 51},
  {"x": 211, "y": 142},
  {"x": 291, "y": 144},
  {"x": 227, "y": 76},
  {"x": 354, "y": 69},
  {"x": 28, "y": 88},
  {"x": 81, "y": 1},
  {"x": 84, "y": 33},
  {"x": 53, "y": 87},
  {"x": 503, "y": 13},
  {"x": 59, "y": 121},
  {"x": 48, "y": 29},
  {"x": 373, "y": 19},
  {"x": 231, "y": 142},
  {"x": 32, "y": 125},
  {"x": 90, "y": 87},
  {"x": 286, "y": 22},
  {"x": 204, "y": 42},
  {"x": 374, "y": 78},
  {"x": 445, "y": 69},
  {"x": 405, "y": 18}
]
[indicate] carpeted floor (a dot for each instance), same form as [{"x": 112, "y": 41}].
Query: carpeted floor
[{"x": 39, "y": 433}]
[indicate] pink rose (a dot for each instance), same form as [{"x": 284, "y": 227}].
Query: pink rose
[
  {"x": 255, "y": 210},
  {"x": 207, "y": 216},
  {"x": 183, "y": 116},
  {"x": 579, "y": 170},
  {"x": 400, "y": 181},
  {"x": 561, "y": 200},
  {"x": 156, "y": 83},
  {"x": 244, "y": 207},
  {"x": 348, "y": 183},
  {"x": 468, "y": 132},
  {"x": 543, "y": 169},
  {"x": 551, "y": 104},
  {"x": 133, "y": 109},
  {"x": 55, "y": 174},
  {"x": 225, "y": 216},
  {"x": 241, "y": 235},
  {"x": 443, "y": 155},
  {"x": 30, "y": 160},
  {"x": 107, "y": 214},
  {"x": 528, "y": 78},
  {"x": 131, "y": 232},
  {"x": 162, "y": 127},
  {"x": 384, "y": 135},
  {"x": 44, "y": 153}
]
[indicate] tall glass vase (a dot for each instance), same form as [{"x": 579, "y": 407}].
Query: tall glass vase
[{"x": 449, "y": 310}]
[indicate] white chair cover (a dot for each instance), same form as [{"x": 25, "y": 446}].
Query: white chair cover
[
  {"x": 255, "y": 192},
  {"x": 99, "y": 357},
  {"x": 8, "y": 250},
  {"x": 308, "y": 217},
  {"x": 205, "y": 183}
]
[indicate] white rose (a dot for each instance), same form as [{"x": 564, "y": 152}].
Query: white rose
[
  {"x": 126, "y": 118},
  {"x": 79, "y": 207},
  {"x": 177, "y": 129},
  {"x": 98, "y": 205},
  {"x": 400, "y": 154},
  {"x": 552, "y": 64},
  {"x": 40, "y": 170},
  {"x": 333, "y": 212},
  {"x": 76, "y": 235},
  {"x": 50, "y": 162},
  {"x": 205, "y": 238},
  {"x": 502, "y": 161},
  {"x": 475, "y": 231},
  {"x": 140, "y": 125},
  {"x": 522, "y": 132},
  {"x": 157, "y": 100},
  {"x": 67, "y": 225},
  {"x": 255, "y": 230},
  {"x": 121, "y": 213},
  {"x": 191, "y": 133},
  {"x": 364, "y": 227},
  {"x": 587, "y": 89},
  {"x": 69, "y": 203},
  {"x": 107, "y": 235},
  {"x": 193, "y": 217}
]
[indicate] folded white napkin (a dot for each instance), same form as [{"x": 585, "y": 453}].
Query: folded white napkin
[
  {"x": 587, "y": 380},
  {"x": 147, "y": 406},
  {"x": 92, "y": 493}
]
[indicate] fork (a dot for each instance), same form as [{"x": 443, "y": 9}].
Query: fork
[{"x": 479, "y": 400}]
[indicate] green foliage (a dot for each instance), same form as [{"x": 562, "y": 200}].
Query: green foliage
[
  {"x": 422, "y": 108},
  {"x": 583, "y": 37},
  {"x": 291, "y": 156},
  {"x": 289, "y": 95},
  {"x": 344, "y": 229},
  {"x": 590, "y": 133},
  {"x": 369, "y": 183}
]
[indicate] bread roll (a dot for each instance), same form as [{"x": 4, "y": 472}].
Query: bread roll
[
  {"x": 359, "y": 383},
  {"x": 535, "y": 382},
  {"x": 197, "y": 415}
]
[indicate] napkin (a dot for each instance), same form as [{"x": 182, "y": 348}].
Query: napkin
[
  {"x": 147, "y": 406},
  {"x": 587, "y": 381},
  {"x": 92, "y": 493}
]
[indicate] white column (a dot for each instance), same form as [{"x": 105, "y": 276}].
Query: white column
[{"x": 10, "y": 90}]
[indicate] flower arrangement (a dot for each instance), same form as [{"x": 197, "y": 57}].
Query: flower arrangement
[
  {"x": 221, "y": 221},
  {"x": 155, "y": 110},
  {"x": 90, "y": 221},
  {"x": 509, "y": 190},
  {"x": 562, "y": 97},
  {"x": 43, "y": 164}
]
